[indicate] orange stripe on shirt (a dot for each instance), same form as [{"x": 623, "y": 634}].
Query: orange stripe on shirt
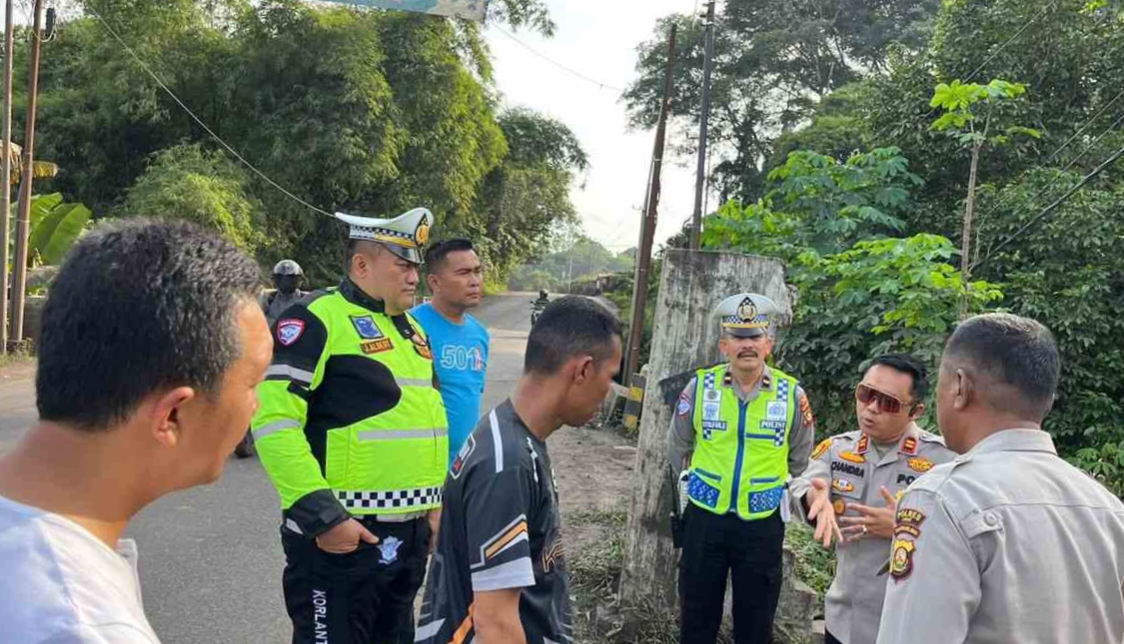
[
  {"x": 465, "y": 628},
  {"x": 506, "y": 539}
]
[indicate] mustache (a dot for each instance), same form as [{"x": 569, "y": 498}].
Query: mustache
[{"x": 748, "y": 353}]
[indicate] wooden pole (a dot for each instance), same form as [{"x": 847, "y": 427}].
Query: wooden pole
[
  {"x": 6, "y": 172},
  {"x": 23, "y": 223},
  {"x": 704, "y": 123},
  {"x": 648, "y": 226}
]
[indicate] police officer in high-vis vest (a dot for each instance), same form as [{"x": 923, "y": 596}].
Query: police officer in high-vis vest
[
  {"x": 741, "y": 429},
  {"x": 352, "y": 432}
]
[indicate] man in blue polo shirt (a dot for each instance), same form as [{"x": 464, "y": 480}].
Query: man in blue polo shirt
[{"x": 459, "y": 342}]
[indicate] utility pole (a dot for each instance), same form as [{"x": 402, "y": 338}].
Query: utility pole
[
  {"x": 704, "y": 122},
  {"x": 648, "y": 225},
  {"x": 6, "y": 172},
  {"x": 23, "y": 223}
]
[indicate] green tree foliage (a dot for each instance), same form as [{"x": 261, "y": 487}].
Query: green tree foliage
[
  {"x": 774, "y": 61},
  {"x": 1068, "y": 272},
  {"x": 186, "y": 182},
  {"x": 526, "y": 199},
  {"x": 1061, "y": 270},
  {"x": 861, "y": 291},
  {"x": 364, "y": 111},
  {"x": 579, "y": 259}
]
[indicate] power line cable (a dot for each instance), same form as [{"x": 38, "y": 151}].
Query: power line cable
[
  {"x": 556, "y": 63},
  {"x": 1061, "y": 200},
  {"x": 1057, "y": 177},
  {"x": 1086, "y": 126},
  {"x": 198, "y": 120}
]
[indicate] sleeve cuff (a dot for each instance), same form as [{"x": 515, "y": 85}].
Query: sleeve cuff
[
  {"x": 513, "y": 574},
  {"x": 315, "y": 513}
]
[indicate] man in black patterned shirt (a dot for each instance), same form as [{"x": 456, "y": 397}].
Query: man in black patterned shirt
[{"x": 499, "y": 574}]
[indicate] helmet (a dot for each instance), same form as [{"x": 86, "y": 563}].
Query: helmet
[{"x": 287, "y": 267}]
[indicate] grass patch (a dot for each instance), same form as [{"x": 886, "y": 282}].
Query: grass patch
[
  {"x": 19, "y": 357},
  {"x": 595, "y": 571},
  {"x": 814, "y": 565}
]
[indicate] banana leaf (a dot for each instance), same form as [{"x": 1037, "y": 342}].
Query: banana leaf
[{"x": 57, "y": 230}]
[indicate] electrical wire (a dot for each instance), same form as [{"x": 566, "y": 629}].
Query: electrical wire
[
  {"x": 556, "y": 63},
  {"x": 198, "y": 120},
  {"x": 1054, "y": 206},
  {"x": 1058, "y": 176}
]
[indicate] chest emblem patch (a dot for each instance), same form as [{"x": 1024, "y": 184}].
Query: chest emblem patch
[
  {"x": 376, "y": 346},
  {"x": 920, "y": 464},
  {"x": 366, "y": 328}
]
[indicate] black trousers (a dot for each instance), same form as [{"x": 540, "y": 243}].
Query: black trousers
[
  {"x": 828, "y": 638},
  {"x": 716, "y": 547},
  {"x": 363, "y": 597}
]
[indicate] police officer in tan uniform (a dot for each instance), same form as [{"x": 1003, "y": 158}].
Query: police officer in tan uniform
[
  {"x": 1009, "y": 542},
  {"x": 855, "y": 478}
]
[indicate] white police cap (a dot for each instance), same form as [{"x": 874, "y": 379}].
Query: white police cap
[
  {"x": 746, "y": 315},
  {"x": 405, "y": 235}
]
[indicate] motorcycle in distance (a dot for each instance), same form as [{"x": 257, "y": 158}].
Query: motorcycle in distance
[{"x": 537, "y": 307}]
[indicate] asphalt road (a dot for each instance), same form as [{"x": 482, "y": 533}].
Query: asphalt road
[{"x": 210, "y": 558}]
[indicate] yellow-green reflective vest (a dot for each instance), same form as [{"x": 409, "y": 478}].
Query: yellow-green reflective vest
[
  {"x": 350, "y": 410},
  {"x": 741, "y": 449}
]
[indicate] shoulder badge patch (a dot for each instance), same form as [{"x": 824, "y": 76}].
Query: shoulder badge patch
[
  {"x": 920, "y": 464},
  {"x": 910, "y": 516},
  {"x": 684, "y": 406},
  {"x": 289, "y": 331},
  {"x": 909, "y": 446},
  {"x": 824, "y": 445},
  {"x": 852, "y": 457},
  {"x": 864, "y": 444},
  {"x": 365, "y": 326},
  {"x": 901, "y": 561},
  {"x": 806, "y": 415}
]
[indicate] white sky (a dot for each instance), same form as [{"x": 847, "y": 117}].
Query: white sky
[{"x": 598, "y": 39}]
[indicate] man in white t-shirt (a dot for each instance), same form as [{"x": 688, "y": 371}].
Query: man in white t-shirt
[{"x": 152, "y": 345}]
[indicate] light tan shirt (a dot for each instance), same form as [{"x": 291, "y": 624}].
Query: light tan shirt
[
  {"x": 1008, "y": 543},
  {"x": 849, "y": 464}
]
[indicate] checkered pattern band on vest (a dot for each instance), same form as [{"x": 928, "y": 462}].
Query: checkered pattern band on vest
[{"x": 392, "y": 500}]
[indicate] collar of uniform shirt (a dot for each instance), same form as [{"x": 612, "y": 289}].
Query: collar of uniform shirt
[
  {"x": 1016, "y": 440},
  {"x": 765, "y": 384},
  {"x": 355, "y": 295}
]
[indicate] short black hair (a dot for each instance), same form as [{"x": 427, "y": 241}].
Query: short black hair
[
  {"x": 909, "y": 365},
  {"x": 436, "y": 253},
  {"x": 138, "y": 307},
  {"x": 1014, "y": 351},
  {"x": 570, "y": 326}
]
